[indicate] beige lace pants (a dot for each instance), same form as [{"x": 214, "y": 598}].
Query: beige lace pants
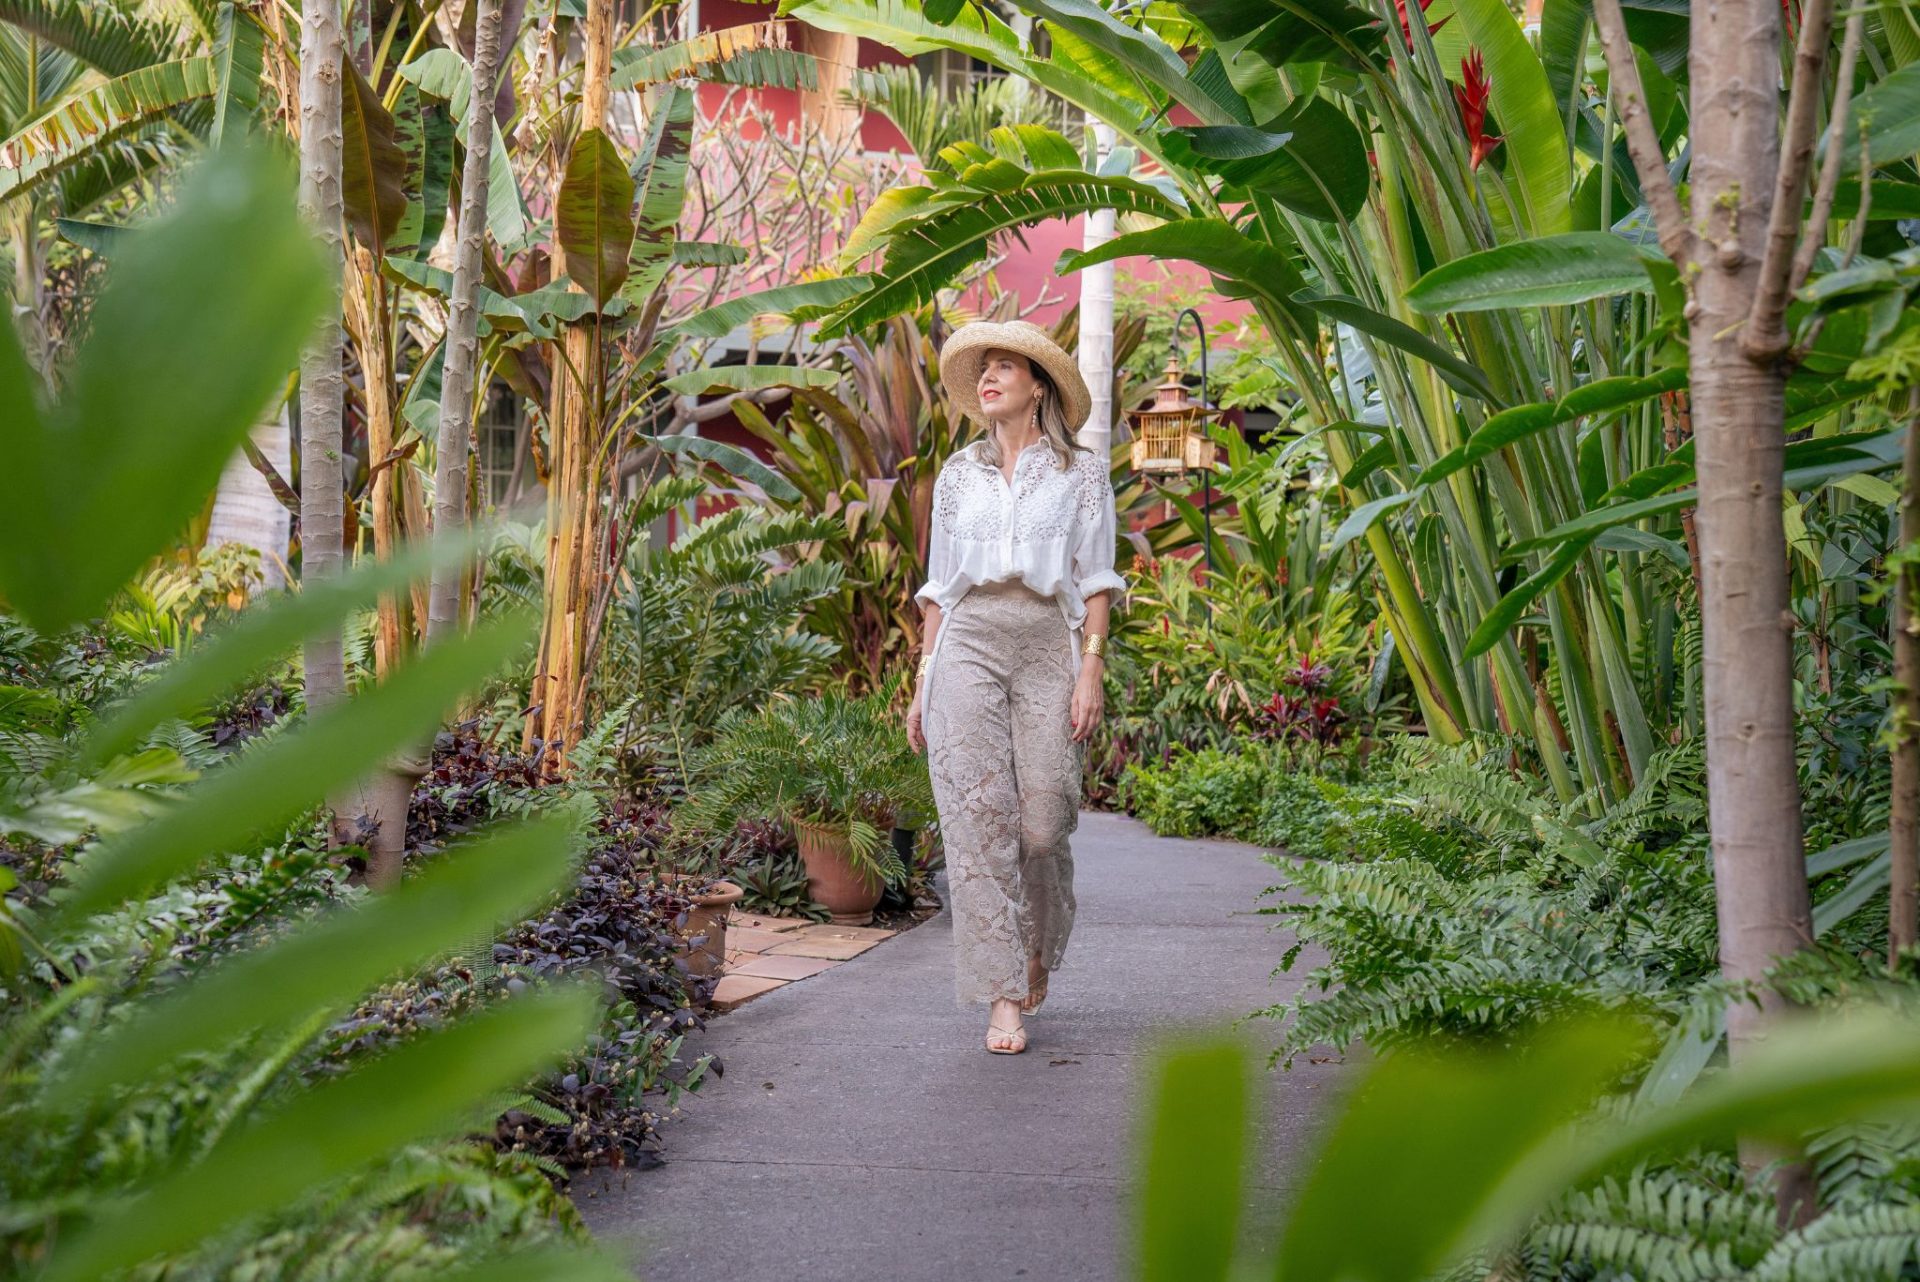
[{"x": 1006, "y": 779}]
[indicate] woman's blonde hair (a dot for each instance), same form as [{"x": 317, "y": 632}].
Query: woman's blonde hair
[{"x": 1054, "y": 428}]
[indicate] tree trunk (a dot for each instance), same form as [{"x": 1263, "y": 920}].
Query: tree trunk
[
  {"x": 245, "y": 509},
  {"x": 1903, "y": 911},
  {"x": 1096, "y": 315},
  {"x": 28, "y": 283},
  {"x": 322, "y": 385},
  {"x": 575, "y": 528},
  {"x": 463, "y": 345},
  {"x": 368, "y": 325},
  {"x": 1753, "y": 786}
]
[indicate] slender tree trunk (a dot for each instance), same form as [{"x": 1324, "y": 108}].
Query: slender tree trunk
[
  {"x": 1753, "y": 781},
  {"x": 1731, "y": 251},
  {"x": 1903, "y": 913},
  {"x": 28, "y": 282},
  {"x": 1096, "y": 315},
  {"x": 322, "y": 385},
  {"x": 245, "y": 509},
  {"x": 575, "y": 529},
  {"x": 463, "y": 344}
]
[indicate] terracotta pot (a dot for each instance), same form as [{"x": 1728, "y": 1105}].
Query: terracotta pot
[
  {"x": 846, "y": 892},
  {"x": 708, "y": 918}
]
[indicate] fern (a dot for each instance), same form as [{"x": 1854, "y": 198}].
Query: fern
[
  {"x": 1875, "y": 1243},
  {"x": 1858, "y": 1165},
  {"x": 1661, "y": 1226}
]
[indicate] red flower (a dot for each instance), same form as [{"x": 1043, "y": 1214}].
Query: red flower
[
  {"x": 1471, "y": 94},
  {"x": 1406, "y": 21}
]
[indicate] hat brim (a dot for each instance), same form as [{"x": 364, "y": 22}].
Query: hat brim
[{"x": 965, "y": 354}]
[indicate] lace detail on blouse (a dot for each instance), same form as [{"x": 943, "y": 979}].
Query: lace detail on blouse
[{"x": 1052, "y": 528}]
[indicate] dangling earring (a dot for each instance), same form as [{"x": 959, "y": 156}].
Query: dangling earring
[{"x": 1036, "y": 413}]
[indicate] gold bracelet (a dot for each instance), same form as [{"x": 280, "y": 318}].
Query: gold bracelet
[
  {"x": 926, "y": 661},
  {"x": 1096, "y": 645}
]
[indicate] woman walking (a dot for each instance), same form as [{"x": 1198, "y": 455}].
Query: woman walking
[{"x": 1019, "y": 587}]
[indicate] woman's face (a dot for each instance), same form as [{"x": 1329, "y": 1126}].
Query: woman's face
[{"x": 1007, "y": 386}]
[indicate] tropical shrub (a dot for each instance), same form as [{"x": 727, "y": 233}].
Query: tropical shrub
[
  {"x": 834, "y": 759},
  {"x": 711, "y": 624},
  {"x": 1533, "y": 1169},
  {"x": 173, "y": 963},
  {"x": 1200, "y": 794}
]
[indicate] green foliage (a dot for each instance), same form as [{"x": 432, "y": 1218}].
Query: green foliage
[
  {"x": 167, "y": 1102},
  {"x": 593, "y": 217},
  {"x": 1200, "y": 660},
  {"x": 72, "y": 531},
  {"x": 1401, "y": 1188},
  {"x": 777, "y": 885},
  {"x": 712, "y": 623},
  {"x": 1200, "y": 794},
  {"x": 832, "y": 759}
]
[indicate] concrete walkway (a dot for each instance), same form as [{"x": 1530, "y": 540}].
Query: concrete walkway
[{"x": 861, "y": 1131}]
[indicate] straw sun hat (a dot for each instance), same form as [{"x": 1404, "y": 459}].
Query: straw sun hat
[{"x": 966, "y": 351}]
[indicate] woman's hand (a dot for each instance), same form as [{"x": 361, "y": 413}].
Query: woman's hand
[
  {"x": 916, "y": 737},
  {"x": 1089, "y": 697}
]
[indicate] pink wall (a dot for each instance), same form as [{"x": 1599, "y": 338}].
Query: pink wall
[{"x": 1027, "y": 270}]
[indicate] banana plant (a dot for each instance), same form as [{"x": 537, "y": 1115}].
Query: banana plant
[{"x": 1492, "y": 369}]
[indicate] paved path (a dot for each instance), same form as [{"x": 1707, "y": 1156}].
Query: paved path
[{"x": 861, "y": 1131}]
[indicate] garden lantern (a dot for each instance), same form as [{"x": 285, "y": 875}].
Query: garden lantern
[
  {"x": 1167, "y": 435},
  {"x": 1170, "y": 435}
]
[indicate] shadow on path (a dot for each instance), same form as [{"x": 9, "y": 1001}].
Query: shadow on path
[{"x": 861, "y": 1130}]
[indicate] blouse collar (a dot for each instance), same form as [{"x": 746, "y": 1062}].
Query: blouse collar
[{"x": 973, "y": 452}]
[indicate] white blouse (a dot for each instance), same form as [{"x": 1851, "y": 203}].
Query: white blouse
[{"x": 1051, "y": 529}]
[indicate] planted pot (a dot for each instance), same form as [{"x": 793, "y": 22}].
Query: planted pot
[
  {"x": 707, "y": 919},
  {"x": 847, "y": 891}
]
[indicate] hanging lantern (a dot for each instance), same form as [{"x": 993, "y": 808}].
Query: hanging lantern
[{"x": 1169, "y": 436}]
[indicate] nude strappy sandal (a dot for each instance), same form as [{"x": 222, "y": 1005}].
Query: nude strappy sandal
[
  {"x": 1018, "y": 1034},
  {"x": 1036, "y": 993}
]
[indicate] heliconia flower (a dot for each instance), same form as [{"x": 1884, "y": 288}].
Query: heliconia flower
[
  {"x": 1471, "y": 94},
  {"x": 1406, "y": 21}
]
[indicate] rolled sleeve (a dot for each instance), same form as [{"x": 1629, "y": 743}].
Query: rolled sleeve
[
  {"x": 939, "y": 555},
  {"x": 1093, "y": 553}
]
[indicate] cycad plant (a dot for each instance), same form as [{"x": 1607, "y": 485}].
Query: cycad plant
[
  {"x": 713, "y": 622},
  {"x": 836, "y": 760}
]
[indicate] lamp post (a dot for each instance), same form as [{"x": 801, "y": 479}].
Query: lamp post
[{"x": 1169, "y": 436}]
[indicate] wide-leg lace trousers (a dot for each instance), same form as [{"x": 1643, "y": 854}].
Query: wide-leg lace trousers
[{"x": 1006, "y": 780}]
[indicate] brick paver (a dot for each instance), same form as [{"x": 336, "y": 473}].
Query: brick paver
[
  {"x": 761, "y": 921},
  {"x": 774, "y": 966},
  {"x": 750, "y": 939},
  {"x": 735, "y": 989},
  {"x": 843, "y": 932},
  {"x": 818, "y": 946},
  {"x": 765, "y": 953}
]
